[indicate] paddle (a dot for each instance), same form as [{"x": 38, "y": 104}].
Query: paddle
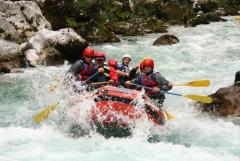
[
  {"x": 169, "y": 115},
  {"x": 199, "y": 98},
  {"x": 196, "y": 83},
  {"x": 48, "y": 109},
  {"x": 99, "y": 83},
  {"x": 90, "y": 77},
  {"x": 45, "y": 113}
]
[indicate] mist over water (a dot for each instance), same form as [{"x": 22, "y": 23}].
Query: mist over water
[{"x": 204, "y": 52}]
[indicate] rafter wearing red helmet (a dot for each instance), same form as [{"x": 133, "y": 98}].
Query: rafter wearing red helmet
[
  {"x": 83, "y": 69},
  {"x": 151, "y": 79},
  {"x": 107, "y": 75}
]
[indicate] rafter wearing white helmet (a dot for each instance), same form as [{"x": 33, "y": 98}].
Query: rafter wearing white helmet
[{"x": 127, "y": 56}]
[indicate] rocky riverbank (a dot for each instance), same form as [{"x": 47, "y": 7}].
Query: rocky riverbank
[{"x": 48, "y": 31}]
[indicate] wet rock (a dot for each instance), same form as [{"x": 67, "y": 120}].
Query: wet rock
[
  {"x": 16, "y": 70},
  {"x": 20, "y": 19},
  {"x": 166, "y": 39},
  {"x": 68, "y": 44},
  {"x": 51, "y": 56},
  {"x": 103, "y": 37},
  {"x": 206, "y": 19},
  {"x": 231, "y": 11},
  {"x": 155, "y": 25},
  {"x": 226, "y": 102},
  {"x": 31, "y": 56},
  {"x": 137, "y": 28},
  {"x": 9, "y": 56},
  {"x": 120, "y": 27}
]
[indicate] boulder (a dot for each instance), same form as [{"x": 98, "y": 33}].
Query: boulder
[
  {"x": 51, "y": 56},
  {"x": 226, "y": 102},
  {"x": 166, "y": 39},
  {"x": 102, "y": 37},
  {"x": 206, "y": 18},
  {"x": 120, "y": 27},
  {"x": 231, "y": 11},
  {"x": 57, "y": 45},
  {"x": 155, "y": 25},
  {"x": 9, "y": 56},
  {"x": 20, "y": 19},
  {"x": 31, "y": 56}
]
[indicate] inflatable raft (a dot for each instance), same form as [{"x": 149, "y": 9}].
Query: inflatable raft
[{"x": 116, "y": 111}]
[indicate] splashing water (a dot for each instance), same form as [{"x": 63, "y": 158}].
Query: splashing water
[{"x": 205, "y": 52}]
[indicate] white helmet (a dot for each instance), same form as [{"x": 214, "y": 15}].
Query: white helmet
[{"x": 127, "y": 56}]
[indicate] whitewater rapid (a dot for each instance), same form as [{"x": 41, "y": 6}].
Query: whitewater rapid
[{"x": 204, "y": 52}]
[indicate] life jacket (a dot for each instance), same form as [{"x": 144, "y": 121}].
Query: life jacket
[
  {"x": 88, "y": 71},
  {"x": 147, "y": 80},
  {"x": 124, "y": 68},
  {"x": 114, "y": 76}
]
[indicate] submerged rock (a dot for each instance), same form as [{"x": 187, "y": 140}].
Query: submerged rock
[{"x": 166, "y": 39}]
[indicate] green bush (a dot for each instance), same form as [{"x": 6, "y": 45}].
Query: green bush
[{"x": 71, "y": 22}]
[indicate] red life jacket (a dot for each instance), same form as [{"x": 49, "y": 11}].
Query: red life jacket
[
  {"x": 147, "y": 80},
  {"x": 113, "y": 75},
  {"x": 87, "y": 71}
]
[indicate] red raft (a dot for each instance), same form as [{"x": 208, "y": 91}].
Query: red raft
[{"x": 116, "y": 107}]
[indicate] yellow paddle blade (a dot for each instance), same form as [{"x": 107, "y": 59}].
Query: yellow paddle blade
[
  {"x": 52, "y": 87},
  {"x": 237, "y": 18},
  {"x": 169, "y": 116},
  {"x": 99, "y": 83},
  {"x": 44, "y": 114},
  {"x": 203, "y": 99},
  {"x": 197, "y": 83}
]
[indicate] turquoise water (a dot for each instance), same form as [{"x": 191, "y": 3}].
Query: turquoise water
[{"x": 205, "y": 52}]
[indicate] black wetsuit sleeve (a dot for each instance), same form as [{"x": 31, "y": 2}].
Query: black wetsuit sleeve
[
  {"x": 162, "y": 82},
  {"x": 76, "y": 68},
  {"x": 106, "y": 69},
  {"x": 132, "y": 74}
]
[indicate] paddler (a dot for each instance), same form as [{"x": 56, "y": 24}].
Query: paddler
[
  {"x": 109, "y": 75},
  {"x": 84, "y": 69},
  {"x": 150, "y": 79},
  {"x": 124, "y": 71}
]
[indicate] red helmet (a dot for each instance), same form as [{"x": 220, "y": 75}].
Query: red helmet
[
  {"x": 148, "y": 63},
  {"x": 100, "y": 54},
  {"x": 112, "y": 63},
  {"x": 88, "y": 52}
]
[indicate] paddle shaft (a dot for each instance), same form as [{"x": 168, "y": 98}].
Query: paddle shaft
[
  {"x": 176, "y": 94},
  {"x": 203, "y": 99},
  {"x": 91, "y": 77}
]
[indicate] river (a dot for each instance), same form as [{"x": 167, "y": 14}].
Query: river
[{"x": 204, "y": 52}]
